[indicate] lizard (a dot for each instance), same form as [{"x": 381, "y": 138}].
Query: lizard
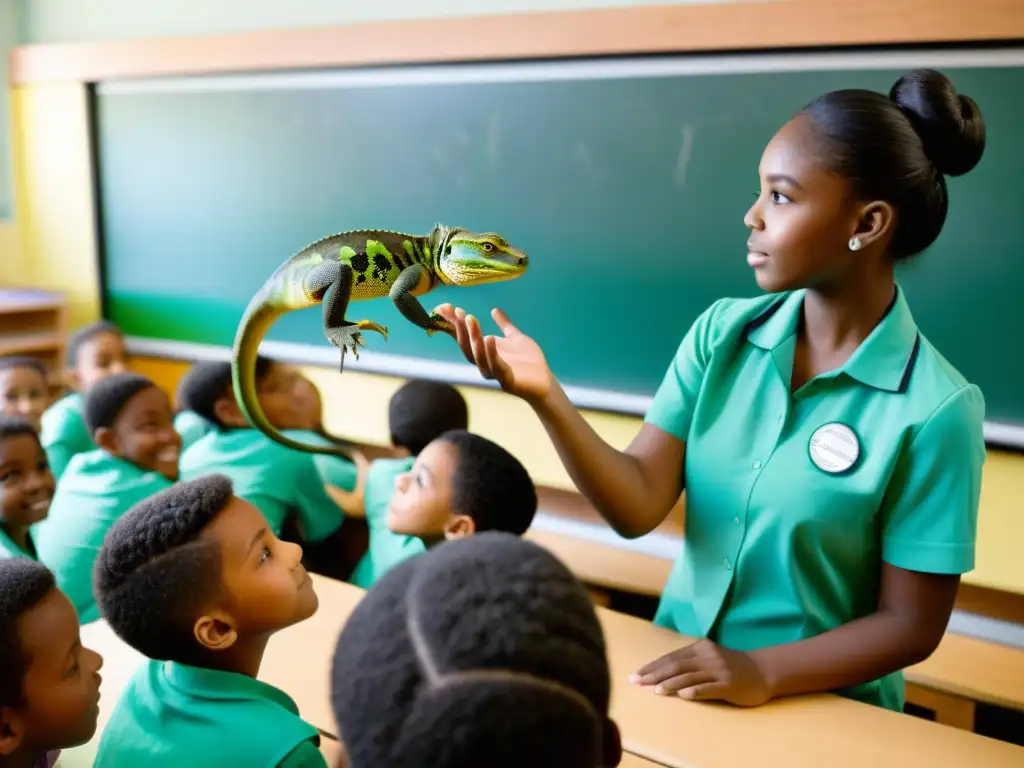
[{"x": 359, "y": 265}]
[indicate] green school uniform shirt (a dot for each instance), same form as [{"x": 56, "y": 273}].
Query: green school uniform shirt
[
  {"x": 277, "y": 480},
  {"x": 777, "y": 549},
  {"x": 63, "y": 432},
  {"x": 191, "y": 426},
  {"x": 95, "y": 490},
  {"x": 334, "y": 470},
  {"x": 173, "y": 715},
  {"x": 386, "y": 549},
  {"x": 9, "y": 550}
]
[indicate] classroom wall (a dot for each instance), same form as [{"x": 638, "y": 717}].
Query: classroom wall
[{"x": 52, "y": 21}]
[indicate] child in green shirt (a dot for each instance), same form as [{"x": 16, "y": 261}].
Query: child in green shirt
[
  {"x": 129, "y": 418},
  {"x": 26, "y": 487},
  {"x": 49, "y": 682},
  {"x": 460, "y": 485},
  {"x": 194, "y": 579},
  {"x": 482, "y": 652},
  {"x": 24, "y": 390},
  {"x": 94, "y": 352},
  {"x": 419, "y": 412},
  {"x": 284, "y": 484}
]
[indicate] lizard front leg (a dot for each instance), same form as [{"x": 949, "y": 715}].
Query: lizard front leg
[
  {"x": 410, "y": 307},
  {"x": 331, "y": 282}
]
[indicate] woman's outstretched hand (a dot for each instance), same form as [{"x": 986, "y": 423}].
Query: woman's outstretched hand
[{"x": 513, "y": 359}]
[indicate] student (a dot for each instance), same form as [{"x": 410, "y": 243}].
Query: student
[
  {"x": 833, "y": 457},
  {"x": 129, "y": 418},
  {"x": 94, "y": 352},
  {"x": 49, "y": 682},
  {"x": 24, "y": 390},
  {"x": 421, "y": 677},
  {"x": 282, "y": 483},
  {"x": 462, "y": 484},
  {"x": 419, "y": 412},
  {"x": 194, "y": 579},
  {"x": 26, "y": 487}
]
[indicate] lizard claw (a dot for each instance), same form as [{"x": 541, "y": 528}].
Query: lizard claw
[
  {"x": 369, "y": 325},
  {"x": 438, "y": 323},
  {"x": 347, "y": 337}
]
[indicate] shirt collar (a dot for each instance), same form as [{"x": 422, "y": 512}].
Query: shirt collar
[
  {"x": 884, "y": 360},
  {"x": 219, "y": 685}
]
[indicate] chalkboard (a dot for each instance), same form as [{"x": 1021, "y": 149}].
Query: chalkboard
[{"x": 625, "y": 180}]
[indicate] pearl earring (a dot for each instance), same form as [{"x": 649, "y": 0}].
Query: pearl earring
[{"x": 854, "y": 243}]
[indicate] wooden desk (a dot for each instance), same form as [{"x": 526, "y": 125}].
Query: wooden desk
[{"x": 806, "y": 731}]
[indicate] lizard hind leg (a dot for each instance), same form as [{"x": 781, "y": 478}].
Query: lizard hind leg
[{"x": 333, "y": 281}]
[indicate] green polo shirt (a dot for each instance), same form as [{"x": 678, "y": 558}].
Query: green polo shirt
[
  {"x": 172, "y": 715},
  {"x": 783, "y": 542},
  {"x": 279, "y": 481},
  {"x": 334, "y": 470},
  {"x": 95, "y": 490},
  {"x": 386, "y": 549},
  {"x": 63, "y": 432},
  {"x": 9, "y": 550},
  {"x": 191, "y": 426}
]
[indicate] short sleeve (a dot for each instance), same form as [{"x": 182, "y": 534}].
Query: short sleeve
[
  {"x": 930, "y": 512},
  {"x": 319, "y": 515},
  {"x": 63, "y": 434},
  {"x": 337, "y": 471},
  {"x": 673, "y": 404},
  {"x": 305, "y": 755}
]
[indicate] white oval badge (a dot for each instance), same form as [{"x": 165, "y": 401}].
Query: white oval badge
[{"x": 834, "y": 448}]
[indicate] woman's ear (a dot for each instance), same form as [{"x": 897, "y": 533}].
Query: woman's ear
[
  {"x": 105, "y": 438},
  {"x": 215, "y": 632},
  {"x": 459, "y": 527},
  {"x": 875, "y": 223}
]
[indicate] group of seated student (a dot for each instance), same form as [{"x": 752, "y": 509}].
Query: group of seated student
[
  {"x": 195, "y": 580},
  {"x": 177, "y": 542}
]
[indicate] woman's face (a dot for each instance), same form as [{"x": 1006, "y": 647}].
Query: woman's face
[{"x": 803, "y": 218}]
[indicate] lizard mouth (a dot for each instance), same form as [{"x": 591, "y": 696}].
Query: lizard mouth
[{"x": 509, "y": 259}]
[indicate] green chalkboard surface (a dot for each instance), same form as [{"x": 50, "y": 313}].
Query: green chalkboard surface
[{"x": 625, "y": 181}]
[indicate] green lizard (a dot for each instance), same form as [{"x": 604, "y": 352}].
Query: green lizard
[{"x": 356, "y": 266}]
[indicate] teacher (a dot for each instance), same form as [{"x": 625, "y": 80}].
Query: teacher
[{"x": 831, "y": 457}]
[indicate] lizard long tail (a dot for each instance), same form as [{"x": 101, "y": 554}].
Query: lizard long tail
[{"x": 259, "y": 316}]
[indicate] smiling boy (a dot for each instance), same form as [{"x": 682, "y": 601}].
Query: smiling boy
[
  {"x": 129, "y": 417},
  {"x": 194, "y": 579},
  {"x": 49, "y": 682},
  {"x": 26, "y": 487}
]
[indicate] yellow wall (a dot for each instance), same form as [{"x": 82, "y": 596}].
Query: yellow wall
[{"x": 53, "y": 190}]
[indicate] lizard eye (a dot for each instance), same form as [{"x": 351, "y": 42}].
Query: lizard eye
[{"x": 488, "y": 247}]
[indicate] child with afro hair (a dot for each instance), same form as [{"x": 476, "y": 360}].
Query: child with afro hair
[
  {"x": 194, "y": 579},
  {"x": 26, "y": 488},
  {"x": 94, "y": 352},
  {"x": 419, "y": 412},
  {"x": 24, "y": 388},
  {"x": 129, "y": 419},
  {"x": 481, "y": 652},
  {"x": 49, "y": 682}
]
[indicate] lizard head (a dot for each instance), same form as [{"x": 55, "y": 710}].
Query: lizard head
[{"x": 467, "y": 258}]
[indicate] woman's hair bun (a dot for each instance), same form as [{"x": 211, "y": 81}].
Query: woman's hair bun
[{"x": 949, "y": 124}]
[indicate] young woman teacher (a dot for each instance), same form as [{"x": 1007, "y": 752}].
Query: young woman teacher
[{"x": 831, "y": 457}]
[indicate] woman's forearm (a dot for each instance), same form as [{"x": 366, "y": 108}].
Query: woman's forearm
[
  {"x": 854, "y": 653},
  {"x": 632, "y": 490}
]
